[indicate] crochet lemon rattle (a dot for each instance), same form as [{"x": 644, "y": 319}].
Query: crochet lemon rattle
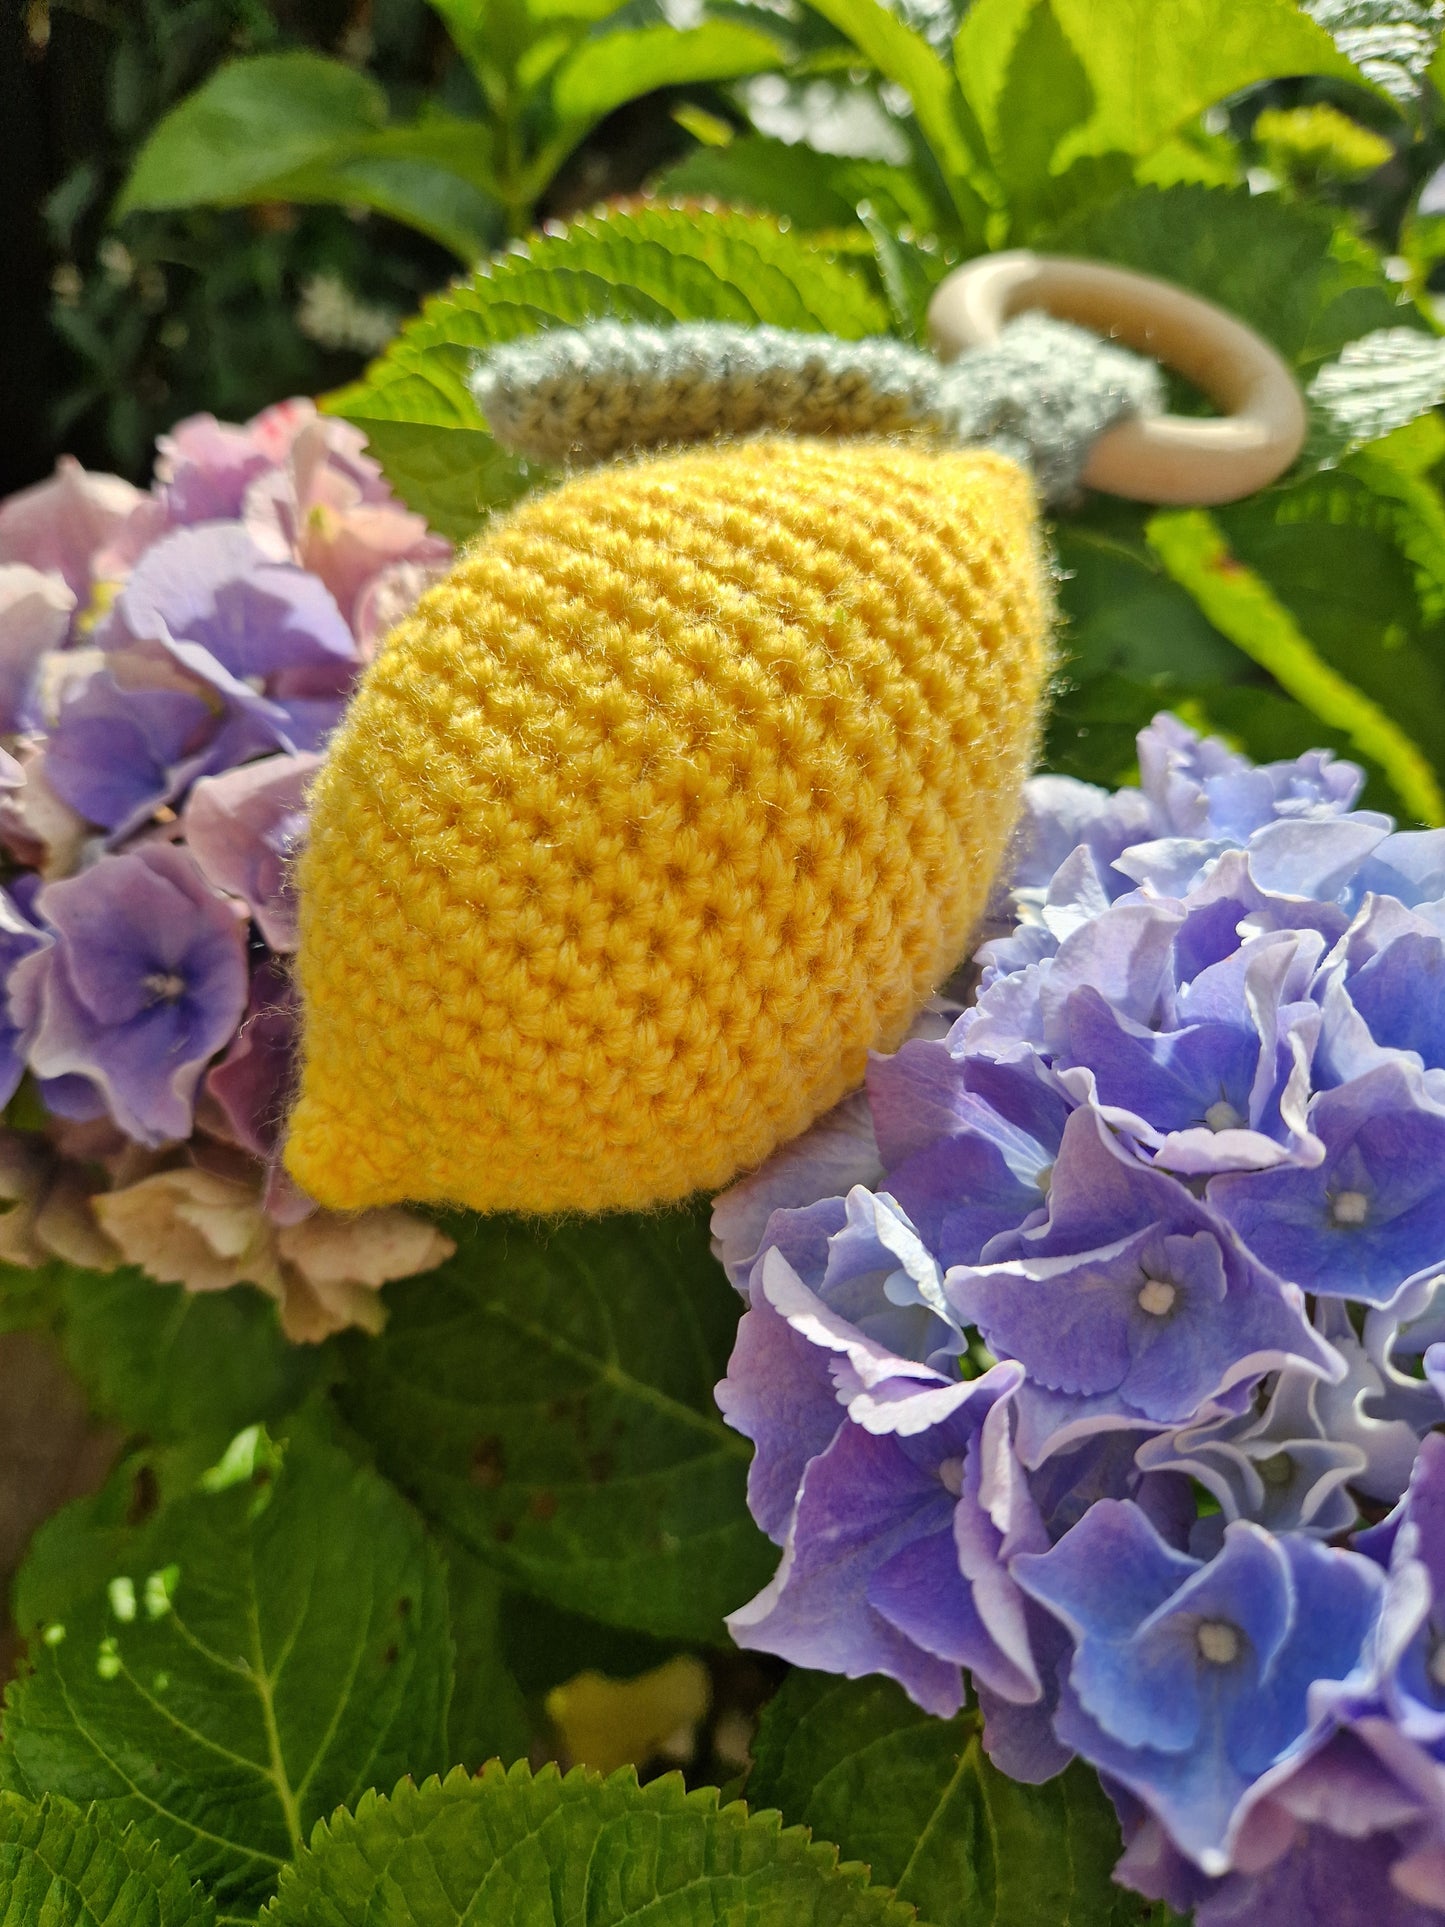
[{"x": 686, "y": 787}]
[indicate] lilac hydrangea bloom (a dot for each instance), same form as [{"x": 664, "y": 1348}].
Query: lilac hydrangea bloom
[
  {"x": 117, "y": 754},
  {"x": 143, "y": 984},
  {"x": 1180, "y": 1167},
  {"x": 263, "y": 638},
  {"x": 244, "y": 828}
]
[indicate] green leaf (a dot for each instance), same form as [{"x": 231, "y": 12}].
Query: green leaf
[
  {"x": 295, "y": 127},
  {"x": 814, "y": 191},
  {"x": 547, "y": 1397},
  {"x": 1285, "y": 268},
  {"x": 1379, "y": 384},
  {"x": 1241, "y": 604},
  {"x": 602, "y": 73},
  {"x": 488, "y": 1717},
  {"x": 1124, "y": 615},
  {"x": 910, "y": 272},
  {"x": 253, "y": 122},
  {"x": 513, "y": 1847},
  {"x": 650, "y": 263},
  {"x": 919, "y": 1801},
  {"x": 455, "y": 477},
  {"x": 179, "y": 1365},
  {"x": 454, "y": 212},
  {"x": 944, "y": 117},
  {"x": 60, "y": 1867},
  {"x": 1148, "y": 66},
  {"x": 256, "y": 1655},
  {"x": 1031, "y": 90}
]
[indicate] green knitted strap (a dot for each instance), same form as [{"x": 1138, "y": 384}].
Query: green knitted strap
[{"x": 1043, "y": 392}]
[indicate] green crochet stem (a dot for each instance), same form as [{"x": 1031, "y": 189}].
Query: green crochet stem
[{"x": 1043, "y": 392}]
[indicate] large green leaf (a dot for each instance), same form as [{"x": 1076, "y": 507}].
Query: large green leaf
[
  {"x": 423, "y": 194},
  {"x": 920, "y": 1802},
  {"x": 296, "y": 127},
  {"x": 252, "y": 122},
  {"x": 650, "y": 263},
  {"x": 1145, "y": 67},
  {"x": 258, "y": 1653},
  {"x": 1285, "y": 268},
  {"x": 60, "y": 1867},
  {"x": 547, "y": 1396},
  {"x": 511, "y": 1847},
  {"x": 602, "y": 73},
  {"x": 179, "y": 1365}
]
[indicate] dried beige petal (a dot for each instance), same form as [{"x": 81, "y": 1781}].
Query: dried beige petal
[{"x": 193, "y": 1228}]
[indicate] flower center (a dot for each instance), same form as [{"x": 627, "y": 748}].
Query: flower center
[
  {"x": 1349, "y": 1208},
  {"x": 165, "y": 986},
  {"x": 1223, "y": 1116},
  {"x": 1278, "y": 1470},
  {"x": 950, "y": 1473},
  {"x": 1157, "y": 1297},
  {"x": 1218, "y": 1641},
  {"x": 1435, "y": 1666}
]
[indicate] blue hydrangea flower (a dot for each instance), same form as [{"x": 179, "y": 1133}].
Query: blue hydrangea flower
[
  {"x": 1367, "y": 1220},
  {"x": 894, "y": 1491},
  {"x": 1190, "y": 1682},
  {"x": 1130, "y": 1306},
  {"x": 1179, "y": 1168}
]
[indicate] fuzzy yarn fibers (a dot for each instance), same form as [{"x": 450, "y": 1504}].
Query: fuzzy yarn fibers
[{"x": 684, "y": 789}]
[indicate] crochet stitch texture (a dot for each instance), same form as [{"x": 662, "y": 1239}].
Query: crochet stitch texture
[{"x": 681, "y": 792}]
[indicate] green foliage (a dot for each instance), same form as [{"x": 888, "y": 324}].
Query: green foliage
[
  {"x": 814, "y": 191},
  {"x": 297, "y": 127},
  {"x": 178, "y": 1366},
  {"x": 920, "y": 1802},
  {"x": 546, "y": 1396},
  {"x": 609, "y": 1851},
  {"x": 259, "y": 1651},
  {"x": 219, "y": 1650},
  {"x": 60, "y": 1867},
  {"x": 1287, "y": 269},
  {"x": 646, "y": 264}
]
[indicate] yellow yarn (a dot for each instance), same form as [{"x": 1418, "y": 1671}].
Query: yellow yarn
[{"x": 682, "y": 790}]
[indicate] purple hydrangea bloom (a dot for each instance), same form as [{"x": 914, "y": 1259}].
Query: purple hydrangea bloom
[
  {"x": 244, "y": 828},
  {"x": 262, "y": 638},
  {"x": 1179, "y": 1166},
  {"x": 892, "y": 1487},
  {"x": 18, "y": 938},
  {"x": 1192, "y": 1682},
  {"x": 1130, "y": 1306},
  {"x": 117, "y": 754},
  {"x": 144, "y": 982},
  {"x": 1369, "y": 1218}
]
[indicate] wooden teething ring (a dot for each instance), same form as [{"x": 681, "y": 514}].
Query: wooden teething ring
[{"x": 1161, "y": 458}]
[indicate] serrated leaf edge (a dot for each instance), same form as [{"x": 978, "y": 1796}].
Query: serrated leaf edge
[{"x": 669, "y": 1793}]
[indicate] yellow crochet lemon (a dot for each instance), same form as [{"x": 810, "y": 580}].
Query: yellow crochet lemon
[{"x": 683, "y": 790}]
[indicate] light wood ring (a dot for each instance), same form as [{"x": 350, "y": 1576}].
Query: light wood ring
[{"x": 1158, "y": 458}]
